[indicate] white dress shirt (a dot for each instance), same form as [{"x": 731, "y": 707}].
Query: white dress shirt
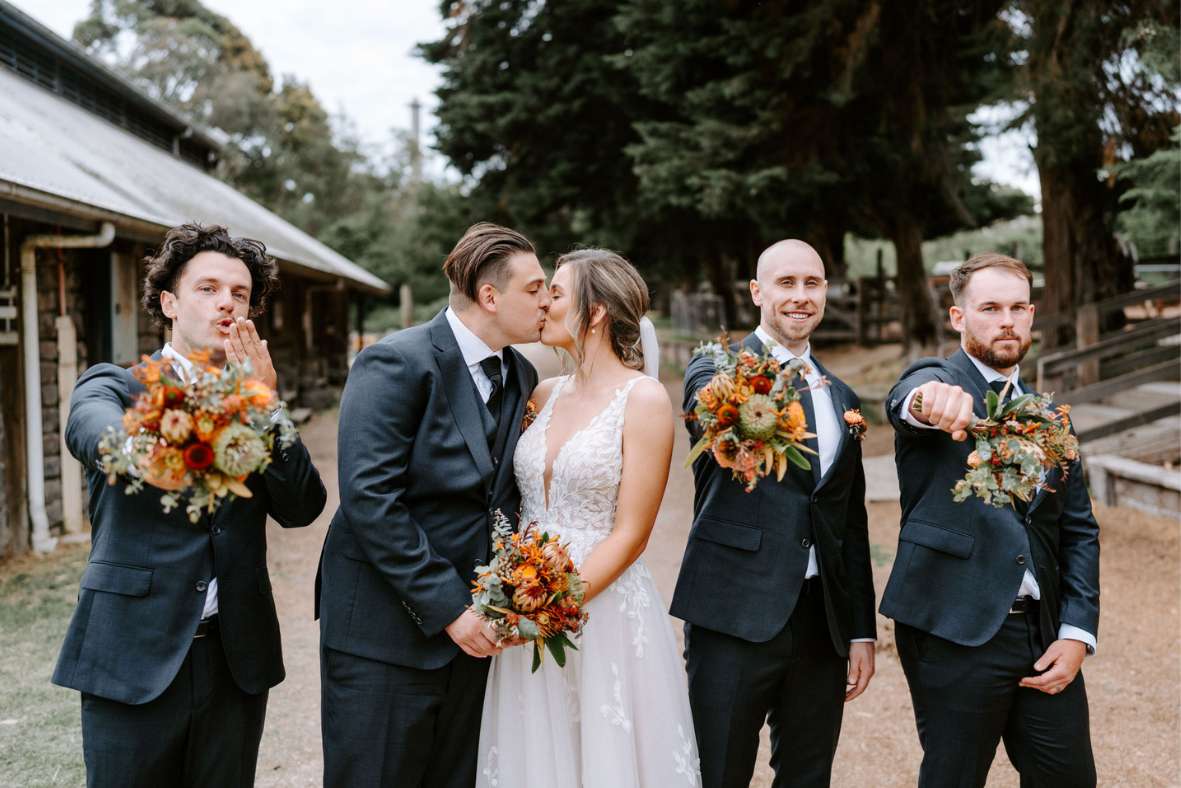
[
  {"x": 827, "y": 426},
  {"x": 474, "y": 350},
  {"x": 1029, "y": 586},
  {"x": 184, "y": 367}
]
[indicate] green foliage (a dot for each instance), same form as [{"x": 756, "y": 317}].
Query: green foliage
[{"x": 1153, "y": 204}]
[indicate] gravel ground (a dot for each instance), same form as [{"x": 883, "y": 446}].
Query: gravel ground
[{"x": 1134, "y": 681}]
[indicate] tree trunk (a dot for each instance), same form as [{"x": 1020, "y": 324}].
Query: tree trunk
[
  {"x": 1083, "y": 262},
  {"x": 922, "y": 327}
]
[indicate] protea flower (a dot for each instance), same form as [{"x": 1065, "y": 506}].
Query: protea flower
[
  {"x": 175, "y": 426},
  {"x": 238, "y": 451},
  {"x": 757, "y": 417},
  {"x": 528, "y": 598}
]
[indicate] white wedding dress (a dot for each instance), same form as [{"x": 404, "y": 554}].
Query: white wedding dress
[{"x": 617, "y": 716}]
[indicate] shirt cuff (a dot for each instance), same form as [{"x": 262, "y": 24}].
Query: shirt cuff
[
  {"x": 1068, "y": 632},
  {"x": 909, "y": 417},
  {"x": 863, "y": 640}
]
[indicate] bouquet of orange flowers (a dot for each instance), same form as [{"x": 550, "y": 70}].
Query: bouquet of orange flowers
[
  {"x": 530, "y": 590},
  {"x": 197, "y": 440},
  {"x": 751, "y": 414},
  {"x": 1017, "y": 443}
]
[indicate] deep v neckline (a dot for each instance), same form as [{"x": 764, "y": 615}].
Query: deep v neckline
[{"x": 548, "y": 467}]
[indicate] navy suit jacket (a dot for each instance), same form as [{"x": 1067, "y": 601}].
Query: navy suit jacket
[
  {"x": 746, "y": 556},
  {"x": 144, "y": 587},
  {"x": 959, "y": 565},
  {"x": 418, "y": 487}
]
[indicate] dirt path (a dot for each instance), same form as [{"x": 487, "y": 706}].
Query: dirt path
[{"x": 1134, "y": 682}]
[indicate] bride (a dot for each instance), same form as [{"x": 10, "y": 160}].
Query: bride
[{"x": 592, "y": 469}]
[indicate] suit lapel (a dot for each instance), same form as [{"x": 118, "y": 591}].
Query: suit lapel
[
  {"x": 840, "y": 400},
  {"x": 977, "y": 385},
  {"x": 461, "y": 394}
]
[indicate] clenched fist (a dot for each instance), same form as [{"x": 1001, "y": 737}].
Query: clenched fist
[{"x": 944, "y": 406}]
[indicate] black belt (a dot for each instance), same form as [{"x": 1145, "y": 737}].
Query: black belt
[
  {"x": 1024, "y": 604},
  {"x": 206, "y": 626}
]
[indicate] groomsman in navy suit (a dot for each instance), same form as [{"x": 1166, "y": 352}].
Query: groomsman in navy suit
[
  {"x": 776, "y": 588},
  {"x": 175, "y": 643},
  {"x": 995, "y": 608}
]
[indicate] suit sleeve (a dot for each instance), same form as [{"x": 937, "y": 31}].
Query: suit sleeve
[
  {"x": 855, "y": 553},
  {"x": 1079, "y": 555},
  {"x": 919, "y": 373},
  {"x": 99, "y": 401},
  {"x": 699, "y": 372},
  {"x": 383, "y": 404},
  {"x": 297, "y": 494}
]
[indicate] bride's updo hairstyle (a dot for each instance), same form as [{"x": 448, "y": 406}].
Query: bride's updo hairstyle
[{"x": 603, "y": 278}]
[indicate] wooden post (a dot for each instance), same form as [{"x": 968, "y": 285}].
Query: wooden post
[
  {"x": 406, "y": 302},
  {"x": 1087, "y": 334}
]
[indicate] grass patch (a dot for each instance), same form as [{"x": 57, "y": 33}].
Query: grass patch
[{"x": 40, "y": 727}]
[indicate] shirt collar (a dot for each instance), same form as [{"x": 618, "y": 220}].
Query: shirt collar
[
  {"x": 186, "y": 366},
  {"x": 471, "y": 347},
  {"x": 991, "y": 374},
  {"x": 781, "y": 352}
]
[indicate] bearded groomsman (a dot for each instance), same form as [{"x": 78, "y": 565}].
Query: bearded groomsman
[
  {"x": 776, "y": 588},
  {"x": 995, "y": 608}
]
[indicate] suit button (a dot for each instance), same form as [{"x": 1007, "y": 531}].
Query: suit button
[
  {"x": 202, "y": 585},
  {"x": 805, "y": 542},
  {"x": 217, "y": 530},
  {"x": 1020, "y": 560},
  {"x": 495, "y": 461}
]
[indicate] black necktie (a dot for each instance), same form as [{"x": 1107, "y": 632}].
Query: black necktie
[
  {"x": 999, "y": 386},
  {"x": 491, "y": 367}
]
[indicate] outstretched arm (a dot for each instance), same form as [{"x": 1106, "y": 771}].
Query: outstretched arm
[
  {"x": 99, "y": 400},
  {"x": 647, "y": 450}
]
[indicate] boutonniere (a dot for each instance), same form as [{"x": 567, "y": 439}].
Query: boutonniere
[
  {"x": 530, "y": 415},
  {"x": 856, "y": 423}
]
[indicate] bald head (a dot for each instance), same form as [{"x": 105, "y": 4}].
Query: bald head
[
  {"x": 789, "y": 289},
  {"x": 790, "y": 250}
]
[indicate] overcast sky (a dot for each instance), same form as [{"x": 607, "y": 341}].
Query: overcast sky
[{"x": 357, "y": 55}]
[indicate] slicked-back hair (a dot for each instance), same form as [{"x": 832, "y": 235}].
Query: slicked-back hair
[
  {"x": 978, "y": 262},
  {"x": 185, "y": 242},
  {"x": 482, "y": 255}
]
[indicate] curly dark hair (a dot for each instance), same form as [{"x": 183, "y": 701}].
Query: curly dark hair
[{"x": 182, "y": 243}]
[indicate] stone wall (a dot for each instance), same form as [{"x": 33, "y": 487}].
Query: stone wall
[{"x": 47, "y": 309}]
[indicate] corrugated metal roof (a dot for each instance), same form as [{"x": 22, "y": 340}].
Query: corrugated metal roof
[{"x": 50, "y": 145}]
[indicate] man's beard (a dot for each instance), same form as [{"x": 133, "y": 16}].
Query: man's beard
[{"x": 998, "y": 359}]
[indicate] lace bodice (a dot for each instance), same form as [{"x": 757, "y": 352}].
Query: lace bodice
[{"x": 584, "y": 486}]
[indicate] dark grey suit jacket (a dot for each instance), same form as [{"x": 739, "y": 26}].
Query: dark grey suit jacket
[
  {"x": 144, "y": 587},
  {"x": 418, "y": 486},
  {"x": 959, "y": 565},
  {"x": 747, "y": 552}
]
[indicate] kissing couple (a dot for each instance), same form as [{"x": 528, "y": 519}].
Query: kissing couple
[{"x": 416, "y": 688}]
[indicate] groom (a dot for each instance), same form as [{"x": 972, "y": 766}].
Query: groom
[
  {"x": 776, "y": 588},
  {"x": 995, "y": 608},
  {"x": 428, "y": 423}
]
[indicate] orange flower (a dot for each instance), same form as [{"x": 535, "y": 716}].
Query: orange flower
[
  {"x": 762, "y": 384},
  {"x": 258, "y": 393},
  {"x": 165, "y": 468},
  {"x": 727, "y": 415}
]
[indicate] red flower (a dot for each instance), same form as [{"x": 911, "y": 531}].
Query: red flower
[
  {"x": 198, "y": 456},
  {"x": 761, "y": 384},
  {"x": 727, "y": 415},
  {"x": 173, "y": 396}
]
